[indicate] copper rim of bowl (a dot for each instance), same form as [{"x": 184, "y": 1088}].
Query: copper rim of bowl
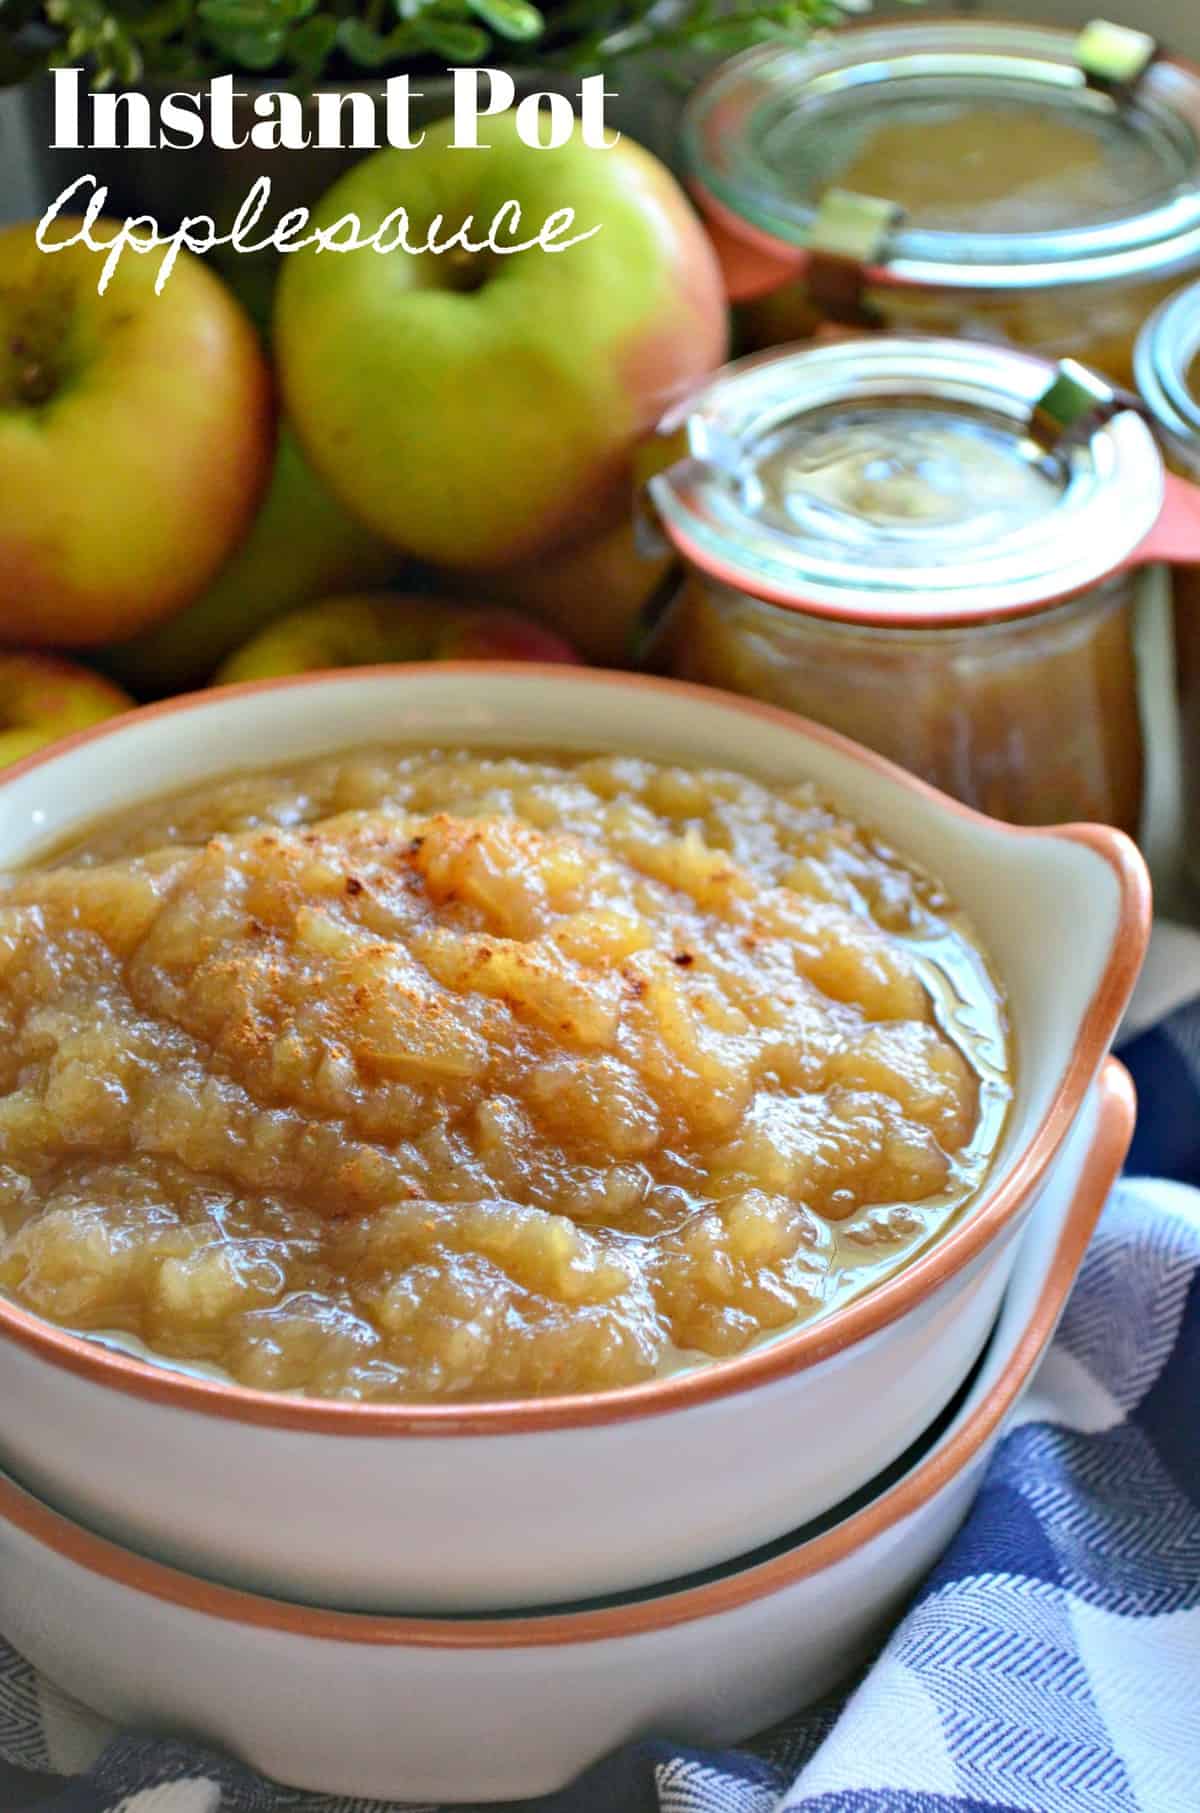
[
  {"x": 1116, "y": 1109},
  {"x": 809, "y": 1344}
]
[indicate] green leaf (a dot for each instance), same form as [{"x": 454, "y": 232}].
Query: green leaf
[
  {"x": 457, "y": 43},
  {"x": 516, "y": 20},
  {"x": 730, "y": 36},
  {"x": 369, "y": 48},
  {"x": 164, "y": 21},
  {"x": 311, "y": 43},
  {"x": 128, "y": 60},
  {"x": 249, "y": 50},
  {"x": 197, "y": 37},
  {"x": 236, "y": 15},
  {"x": 253, "y": 15}
]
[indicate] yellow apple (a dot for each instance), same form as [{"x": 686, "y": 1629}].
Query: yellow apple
[
  {"x": 372, "y": 630},
  {"x": 135, "y": 438}
]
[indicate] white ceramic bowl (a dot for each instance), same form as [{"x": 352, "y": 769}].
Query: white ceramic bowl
[
  {"x": 435, "y": 1508},
  {"x": 447, "y": 1710}
]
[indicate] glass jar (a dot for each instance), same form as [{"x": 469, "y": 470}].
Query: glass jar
[
  {"x": 1010, "y": 182},
  {"x": 934, "y": 547},
  {"x": 1168, "y": 375}
]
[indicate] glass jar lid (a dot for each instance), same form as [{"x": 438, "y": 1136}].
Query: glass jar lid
[
  {"x": 1168, "y": 368},
  {"x": 901, "y": 480},
  {"x": 985, "y": 156}
]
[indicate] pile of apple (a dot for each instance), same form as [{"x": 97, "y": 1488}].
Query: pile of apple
[{"x": 191, "y": 508}]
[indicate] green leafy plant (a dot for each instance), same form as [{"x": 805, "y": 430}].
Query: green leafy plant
[{"x": 302, "y": 42}]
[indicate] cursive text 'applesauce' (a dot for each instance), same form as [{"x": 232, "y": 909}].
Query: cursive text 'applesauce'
[{"x": 451, "y": 1076}]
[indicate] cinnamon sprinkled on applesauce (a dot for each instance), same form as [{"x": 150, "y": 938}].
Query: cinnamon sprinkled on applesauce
[{"x": 424, "y": 1076}]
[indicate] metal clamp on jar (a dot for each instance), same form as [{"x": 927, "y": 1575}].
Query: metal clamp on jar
[
  {"x": 1168, "y": 375},
  {"x": 933, "y": 546},
  {"x": 1008, "y": 182}
]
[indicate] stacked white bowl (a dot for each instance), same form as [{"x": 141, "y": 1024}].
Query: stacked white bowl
[{"x": 475, "y": 1602}]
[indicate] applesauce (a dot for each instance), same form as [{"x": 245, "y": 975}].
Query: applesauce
[
  {"x": 956, "y": 177},
  {"x": 421, "y": 1076},
  {"x": 901, "y": 539},
  {"x": 1066, "y": 747}
]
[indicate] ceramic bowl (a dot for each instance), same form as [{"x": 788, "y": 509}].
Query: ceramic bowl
[
  {"x": 443, "y": 1507},
  {"x": 476, "y": 1710}
]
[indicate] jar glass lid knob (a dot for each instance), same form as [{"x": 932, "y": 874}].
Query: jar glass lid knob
[
  {"x": 850, "y": 234},
  {"x": 1114, "y": 57},
  {"x": 1076, "y": 403}
]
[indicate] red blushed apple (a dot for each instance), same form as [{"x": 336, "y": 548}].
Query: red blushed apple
[
  {"x": 136, "y": 434},
  {"x": 493, "y": 635},
  {"x": 478, "y": 408},
  {"x": 595, "y": 592},
  {"x": 379, "y": 628},
  {"x": 42, "y": 699}
]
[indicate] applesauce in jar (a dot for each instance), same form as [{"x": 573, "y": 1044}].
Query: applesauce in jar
[
  {"x": 930, "y": 546},
  {"x": 1168, "y": 373},
  {"x": 420, "y": 1075},
  {"x": 954, "y": 177}
]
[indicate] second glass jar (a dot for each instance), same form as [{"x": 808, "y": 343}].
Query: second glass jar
[{"x": 934, "y": 547}]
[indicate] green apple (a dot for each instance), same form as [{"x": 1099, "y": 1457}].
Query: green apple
[
  {"x": 43, "y": 698},
  {"x": 302, "y": 545},
  {"x": 479, "y": 408},
  {"x": 135, "y": 438},
  {"x": 373, "y": 630}
]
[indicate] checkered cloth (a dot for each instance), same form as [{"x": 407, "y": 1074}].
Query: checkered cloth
[{"x": 1050, "y": 1664}]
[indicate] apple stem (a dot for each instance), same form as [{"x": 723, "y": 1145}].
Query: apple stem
[
  {"x": 35, "y": 384},
  {"x": 33, "y": 379},
  {"x": 466, "y": 270}
]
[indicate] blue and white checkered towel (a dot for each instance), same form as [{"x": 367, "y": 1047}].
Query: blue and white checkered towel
[{"x": 1050, "y": 1664}]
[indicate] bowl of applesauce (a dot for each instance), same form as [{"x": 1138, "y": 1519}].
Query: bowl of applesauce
[{"x": 435, "y": 1094}]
